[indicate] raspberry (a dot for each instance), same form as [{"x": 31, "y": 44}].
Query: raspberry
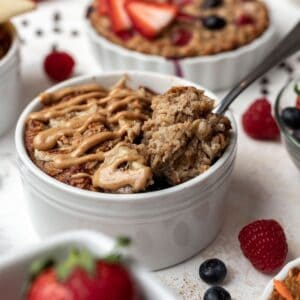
[
  {"x": 263, "y": 242},
  {"x": 258, "y": 121},
  {"x": 244, "y": 20},
  {"x": 59, "y": 65},
  {"x": 181, "y": 37}
]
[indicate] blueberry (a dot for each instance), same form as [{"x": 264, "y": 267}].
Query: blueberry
[
  {"x": 216, "y": 293},
  {"x": 212, "y": 3},
  {"x": 213, "y": 271},
  {"x": 214, "y": 22},
  {"x": 291, "y": 117}
]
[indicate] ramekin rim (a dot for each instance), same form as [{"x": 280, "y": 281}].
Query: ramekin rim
[
  {"x": 13, "y": 47},
  {"x": 280, "y": 276},
  {"x": 22, "y": 153},
  {"x": 94, "y": 241},
  {"x": 282, "y": 126},
  {"x": 266, "y": 36}
]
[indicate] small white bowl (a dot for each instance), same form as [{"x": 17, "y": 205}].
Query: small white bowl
[
  {"x": 280, "y": 276},
  {"x": 168, "y": 226},
  {"x": 14, "y": 268},
  {"x": 10, "y": 83},
  {"x": 216, "y": 72}
]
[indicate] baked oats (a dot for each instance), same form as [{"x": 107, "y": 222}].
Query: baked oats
[
  {"x": 125, "y": 140},
  {"x": 289, "y": 288},
  {"x": 178, "y": 29}
]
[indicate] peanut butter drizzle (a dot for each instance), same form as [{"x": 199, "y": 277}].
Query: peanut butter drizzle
[
  {"x": 48, "y": 98},
  {"x": 110, "y": 177},
  {"x": 120, "y": 106}
]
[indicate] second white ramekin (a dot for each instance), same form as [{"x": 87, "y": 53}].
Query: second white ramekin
[
  {"x": 215, "y": 72},
  {"x": 280, "y": 276},
  {"x": 10, "y": 84},
  {"x": 168, "y": 226},
  {"x": 14, "y": 268}
]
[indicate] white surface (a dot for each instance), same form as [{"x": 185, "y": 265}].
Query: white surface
[
  {"x": 167, "y": 226},
  {"x": 10, "y": 84},
  {"x": 265, "y": 182},
  {"x": 14, "y": 269},
  {"x": 215, "y": 72}
]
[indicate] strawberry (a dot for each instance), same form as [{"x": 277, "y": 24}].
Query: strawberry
[
  {"x": 151, "y": 18},
  {"x": 81, "y": 277},
  {"x": 258, "y": 121},
  {"x": 263, "y": 242},
  {"x": 59, "y": 65},
  {"x": 118, "y": 16},
  {"x": 102, "y": 7}
]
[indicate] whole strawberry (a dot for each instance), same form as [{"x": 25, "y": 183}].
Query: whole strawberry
[
  {"x": 81, "y": 277},
  {"x": 258, "y": 121},
  {"x": 263, "y": 242},
  {"x": 59, "y": 65}
]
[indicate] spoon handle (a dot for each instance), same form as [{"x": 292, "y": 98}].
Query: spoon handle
[{"x": 289, "y": 45}]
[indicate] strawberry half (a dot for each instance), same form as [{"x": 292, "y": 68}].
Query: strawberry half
[
  {"x": 151, "y": 18},
  {"x": 119, "y": 18},
  {"x": 102, "y": 7}
]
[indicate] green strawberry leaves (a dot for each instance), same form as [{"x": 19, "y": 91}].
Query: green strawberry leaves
[{"x": 76, "y": 259}]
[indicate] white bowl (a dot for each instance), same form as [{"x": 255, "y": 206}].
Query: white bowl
[
  {"x": 280, "y": 276},
  {"x": 216, "y": 72},
  {"x": 14, "y": 268},
  {"x": 10, "y": 83},
  {"x": 168, "y": 226}
]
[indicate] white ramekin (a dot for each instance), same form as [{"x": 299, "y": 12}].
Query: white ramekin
[
  {"x": 10, "y": 84},
  {"x": 215, "y": 72},
  {"x": 168, "y": 226},
  {"x": 280, "y": 276},
  {"x": 14, "y": 268}
]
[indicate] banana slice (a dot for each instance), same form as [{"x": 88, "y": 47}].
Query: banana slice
[{"x": 11, "y": 8}]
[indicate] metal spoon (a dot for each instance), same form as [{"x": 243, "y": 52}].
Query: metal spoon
[{"x": 288, "y": 46}]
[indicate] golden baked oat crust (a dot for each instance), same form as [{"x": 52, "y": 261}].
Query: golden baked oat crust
[
  {"x": 123, "y": 140},
  {"x": 203, "y": 41}
]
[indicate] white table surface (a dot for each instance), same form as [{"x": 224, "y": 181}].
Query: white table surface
[{"x": 265, "y": 182}]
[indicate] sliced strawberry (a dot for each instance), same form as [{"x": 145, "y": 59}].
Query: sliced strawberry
[
  {"x": 118, "y": 15},
  {"x": 102, "y": 7},
  {"x": 151, "y": 18}
]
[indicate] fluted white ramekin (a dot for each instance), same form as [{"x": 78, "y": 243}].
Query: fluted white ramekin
[
  {"x": 14, "y": 268},
  {"x": 168, "y": 226},
  {"x": 215, "y": 72},
  {"x": 10, "y": 83},
  {"x": 280, "y": 276}
]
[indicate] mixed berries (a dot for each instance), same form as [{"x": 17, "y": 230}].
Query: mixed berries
[
  {"x": 213, "y": 271},
  {"x": 150, "y": 18},
  {"x": 264, "y": 243},
  {"x": 291, "y": 115},
  {"x": 258, "y": 121},
  {"x": 81, "y": 277}
]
